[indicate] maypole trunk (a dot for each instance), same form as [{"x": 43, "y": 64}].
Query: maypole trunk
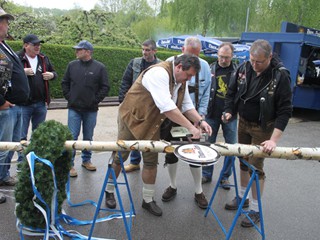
[{"x": 239, "y": 150}]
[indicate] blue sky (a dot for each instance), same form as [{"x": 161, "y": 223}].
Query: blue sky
[{"x": 61, "y": 4}]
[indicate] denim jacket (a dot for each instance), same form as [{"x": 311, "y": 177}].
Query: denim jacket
[{"x": 204, "y": 87}]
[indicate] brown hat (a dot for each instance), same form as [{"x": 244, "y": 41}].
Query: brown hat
[{"x": 3, "y": 14}]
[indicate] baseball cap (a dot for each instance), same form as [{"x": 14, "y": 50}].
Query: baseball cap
[
  {"x": 31, "y": 38},
  {"x": 3, "y": 14},
  {"x": 84, "y": 44}
]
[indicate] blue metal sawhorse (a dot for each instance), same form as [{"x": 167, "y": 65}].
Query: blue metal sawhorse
[
  {"x": 131, "y": 213},
  {"x": 254, "y": 177}
]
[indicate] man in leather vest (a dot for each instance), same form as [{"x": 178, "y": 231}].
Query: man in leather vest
[
  {"x": 133, "y": 70},
  {"x": 159, "y": 92},
  {"x": 260, "y": 93}
]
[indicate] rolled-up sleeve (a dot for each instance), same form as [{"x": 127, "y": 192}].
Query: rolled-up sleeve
[{"x": 156, "y": 81}]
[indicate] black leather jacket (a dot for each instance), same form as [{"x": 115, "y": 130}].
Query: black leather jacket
[{"x": 273, "y": 96}]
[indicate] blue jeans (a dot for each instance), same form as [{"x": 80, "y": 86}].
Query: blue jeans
[
  {"x": 36, "y": 113},
  {"x": 135, "y": 157},
  {"x": 230, "y": 135},
  {"x": 88, "y": 120},
  {"x": 10, "y": 131}
]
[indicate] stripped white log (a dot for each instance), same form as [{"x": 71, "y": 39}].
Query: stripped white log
[
  {"x": 240, "y": 150},
  {"x": 290, "y": 153}
]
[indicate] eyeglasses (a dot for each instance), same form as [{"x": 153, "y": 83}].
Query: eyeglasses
[
  {"x": 35, "y": 44},
  {"x": 224, "y": 57}
]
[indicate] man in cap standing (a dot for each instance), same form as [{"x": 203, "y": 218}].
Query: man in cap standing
[
  {"x": 84, "y": 85},
  {"x": 14, "y": 90},
  {"x": 39, "y": 71}
]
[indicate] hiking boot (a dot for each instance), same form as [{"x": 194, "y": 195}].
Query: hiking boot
[
  {"x": 206, "y": 180},
  {"x": 110, "y": 200},
  {"x": 11, "y": 181},
  {"x": 152, "y": 208},
  {"x": 201, "y": 200},
  {"x": 255, "y": 217},
  {"x": 73, "y": 172},
  {"x": 2, "y": 198},
  {"x": 89, "y": 166},
  {"x": 131, "y": 167},
  {"x": 225, "y": 184},
  {"x": 169, "y": 194},
  {"x": 233, "y": 205}
]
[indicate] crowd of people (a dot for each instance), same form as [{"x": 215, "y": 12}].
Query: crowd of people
[{"x": 251, "y": 103}]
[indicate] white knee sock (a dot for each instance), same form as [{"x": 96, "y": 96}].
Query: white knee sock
[
  {"x": 197, "y": 175},
  {"x": 242, "y": 191},
  {"x": 110, "y": 188},
  {"x": 172, "y": 170},
  {"x": 148, "y": 191},
  {"x": 254, "y": 205}
]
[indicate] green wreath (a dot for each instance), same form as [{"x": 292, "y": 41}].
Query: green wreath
[{"x": 47, "y": 142}]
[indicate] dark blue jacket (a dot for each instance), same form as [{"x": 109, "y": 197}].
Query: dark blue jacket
[{"x": 85, "y": 84}]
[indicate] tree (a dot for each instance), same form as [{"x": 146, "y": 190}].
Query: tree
[
  {"x": 214, "y": 17},
  {"x": 26, "y": 23},
  {"x": 96, "y": 26}
]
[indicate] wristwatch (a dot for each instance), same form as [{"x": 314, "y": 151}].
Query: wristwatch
[{"x": 199, "y": 123}]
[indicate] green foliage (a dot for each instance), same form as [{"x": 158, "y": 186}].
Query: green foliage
[
  {"x": 126, "y": 23},
  {"x": 95, "y": 26},
  {"x": 115, "y": 60},
  {"x": 26, "y": 23},
  {"x": 47, "y": 142}
]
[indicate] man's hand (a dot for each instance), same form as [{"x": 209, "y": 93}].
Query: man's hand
[
  {"x": 47, "y": 75},
  {"x": 29, "y": 71},
  {"x": 271, "y": 144},
  {"x": 226, "y": 117},
  {"x": 268, "y": 146},
  {"x": 205, "y": 127},
  {"x": 6, "y": 105},
  {"x": 196, "y": 132}
]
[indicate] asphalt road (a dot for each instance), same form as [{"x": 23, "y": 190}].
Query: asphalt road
[{"x": 291, "y": 205}]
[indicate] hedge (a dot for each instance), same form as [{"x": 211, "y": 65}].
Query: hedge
[{"x": 115, "y": 59}]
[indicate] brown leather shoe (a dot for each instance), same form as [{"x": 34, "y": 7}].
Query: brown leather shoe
[
  {"x": 201, "y": 200},
  {"x": 132, "y": 167},
  {"x": 11, "y": 181},
  {"x": 89, "y": 166},
  {"x": 152, "y": 207},
  {"x": 110, "y": 200},
  {"x": 169, "y": 194},
  {"x": 255, "y": 217},
  {"x": 233, "y": 205},
  {"x": 73, "y": 172}
]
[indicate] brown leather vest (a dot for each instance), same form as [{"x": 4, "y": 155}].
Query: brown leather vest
[{"x": 138, "y": 110}]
